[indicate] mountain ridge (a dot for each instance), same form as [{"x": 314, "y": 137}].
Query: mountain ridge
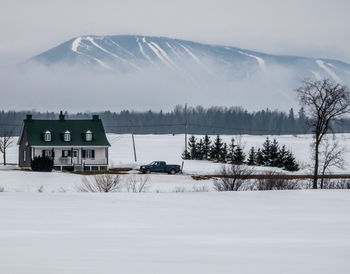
[
  {"x": 128, "y": 53},
  {"x": 202, "y": 43}
]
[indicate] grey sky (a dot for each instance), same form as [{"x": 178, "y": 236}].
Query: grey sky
[{"x": 299, "y": 27}]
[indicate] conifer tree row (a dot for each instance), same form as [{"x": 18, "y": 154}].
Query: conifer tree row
[
  {"x": 271, "y": 154},
  {"x": 216, "y": 150}
]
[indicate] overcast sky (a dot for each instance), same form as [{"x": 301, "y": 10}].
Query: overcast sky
[{"x": 318, "y": 28}]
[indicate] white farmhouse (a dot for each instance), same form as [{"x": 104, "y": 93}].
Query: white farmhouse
[{"x": 73, "y": 144}]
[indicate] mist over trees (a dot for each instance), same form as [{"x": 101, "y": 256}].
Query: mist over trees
[{"x": 212, "y": 121}]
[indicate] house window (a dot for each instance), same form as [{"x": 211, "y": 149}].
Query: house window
[
  {"x": 47, "y": 153},
  {"x": 89, "y": 154},
  {"x": 66, "y": 153},
  {"x": 47, "y": 136},
  {"x": 88, "y": 136},
  {"x": 24, "y": 156},
  {"x": 66, "y": 136}
]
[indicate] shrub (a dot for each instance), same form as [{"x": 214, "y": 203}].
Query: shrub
[
  {"x": 100, "y": 183},
  {"x": 232, "y": 178},
  {"x": 137, "y": 183},
  {"x": 179, "y": 189},
  {"x": 272, "y": 181},
  {"x": 336, "y": 184},
  {"x": 200, "y": 189},
  {"x": 44, "y": 164}
]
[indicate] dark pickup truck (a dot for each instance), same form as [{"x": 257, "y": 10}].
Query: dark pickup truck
[{"x": 159, "y": 166}]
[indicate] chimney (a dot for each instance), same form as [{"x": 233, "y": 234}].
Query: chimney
[
  {"x": 95, "y": 117},
  {"x": 29, "y": 117},
  {"x": 61, "y": 116}
]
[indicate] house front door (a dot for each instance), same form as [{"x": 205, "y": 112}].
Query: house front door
[{"x": 75, "y": 156}]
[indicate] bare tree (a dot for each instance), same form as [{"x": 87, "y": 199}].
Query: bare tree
[
  {"x": 324, "y": 102},
  {"x": 331, "y": 156},
  {"x": 100, "y": 183},
  {"x": 137, "y": 183},
  {"x": 6, "y": 140},
  {"x": 231, "y": 178}
]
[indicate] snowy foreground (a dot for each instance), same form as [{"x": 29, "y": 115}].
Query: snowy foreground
[{"x": 241, "y": 232}]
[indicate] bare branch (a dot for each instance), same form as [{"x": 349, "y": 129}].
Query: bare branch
[
  {"x": 6, "y": 140},
  {"x": 325, "y": 102},
  {"x": 100, "y": 183},
  {"x": 231, "y": 178}
]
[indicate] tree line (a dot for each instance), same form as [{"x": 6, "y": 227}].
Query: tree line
[
  {"x": 211, "y": 121},
  {"x": 271, "y": 154}
]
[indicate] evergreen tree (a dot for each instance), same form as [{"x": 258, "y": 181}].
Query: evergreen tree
[
  {"x": 251, "y": 157},
  {"x": 290, "y": 163},
  {"x": 206, "y": 147},
  {"x": 302, "y": 120},
  {"x": 192, "y": 144},
  {"x": 186, "y": 155},
  {"x": 239, "y": 156},
  {"x": 231, "y": 151},
  {"x": 266, "y": 152},
  {"x": 224, "y": 153},
  {"x": 282, "y": 154},
  {"x": 259, "y": 158},
  {"x": 216, "y": 149},
  {"x": 274, "y": 153},
  {"x": 200, "y": 150}
]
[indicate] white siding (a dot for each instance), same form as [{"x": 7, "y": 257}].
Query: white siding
[{"x": 100, "y": 155}]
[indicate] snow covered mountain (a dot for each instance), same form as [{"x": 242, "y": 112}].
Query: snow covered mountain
[{"x": 129, "y": 53}]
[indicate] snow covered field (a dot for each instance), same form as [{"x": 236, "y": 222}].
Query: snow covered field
[
  {"x": 60, "y": 230},
  {"x": 150, "y": 148},
  {"x": 169, "y": 148},
  {"x": 23, "y": 181},
  {"x": 241, "y": 232}
]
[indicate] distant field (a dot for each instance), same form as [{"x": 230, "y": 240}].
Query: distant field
[{"x": 169, "y": 148}]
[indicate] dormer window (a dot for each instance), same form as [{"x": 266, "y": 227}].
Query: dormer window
[
  {"x": 66, "y": 136},
  {"x": 47, "y": 136},
  {"x": 88, "y": 136}
]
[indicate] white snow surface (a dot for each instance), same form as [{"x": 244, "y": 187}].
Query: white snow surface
[
  {"x": 322, "y": 65},
  {"x": 61, "y": 230},
  {"x": 92, "y": 41},
  {"x": 261, "y": 62},
  {"x": 76, "y": 44},
  {"x": 142, "y": 50},
  {"x": 287, "y": 232}
]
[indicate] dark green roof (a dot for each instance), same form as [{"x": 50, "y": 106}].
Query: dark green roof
[{"x": 35, "y": 130}]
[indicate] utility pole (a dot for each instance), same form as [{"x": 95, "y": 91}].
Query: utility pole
[
  {"x": 133, "y": 139},
  {"x": 185, "y": 127}
]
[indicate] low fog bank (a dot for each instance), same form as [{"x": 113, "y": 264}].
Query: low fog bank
[{"x": 75, "y": 89}]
